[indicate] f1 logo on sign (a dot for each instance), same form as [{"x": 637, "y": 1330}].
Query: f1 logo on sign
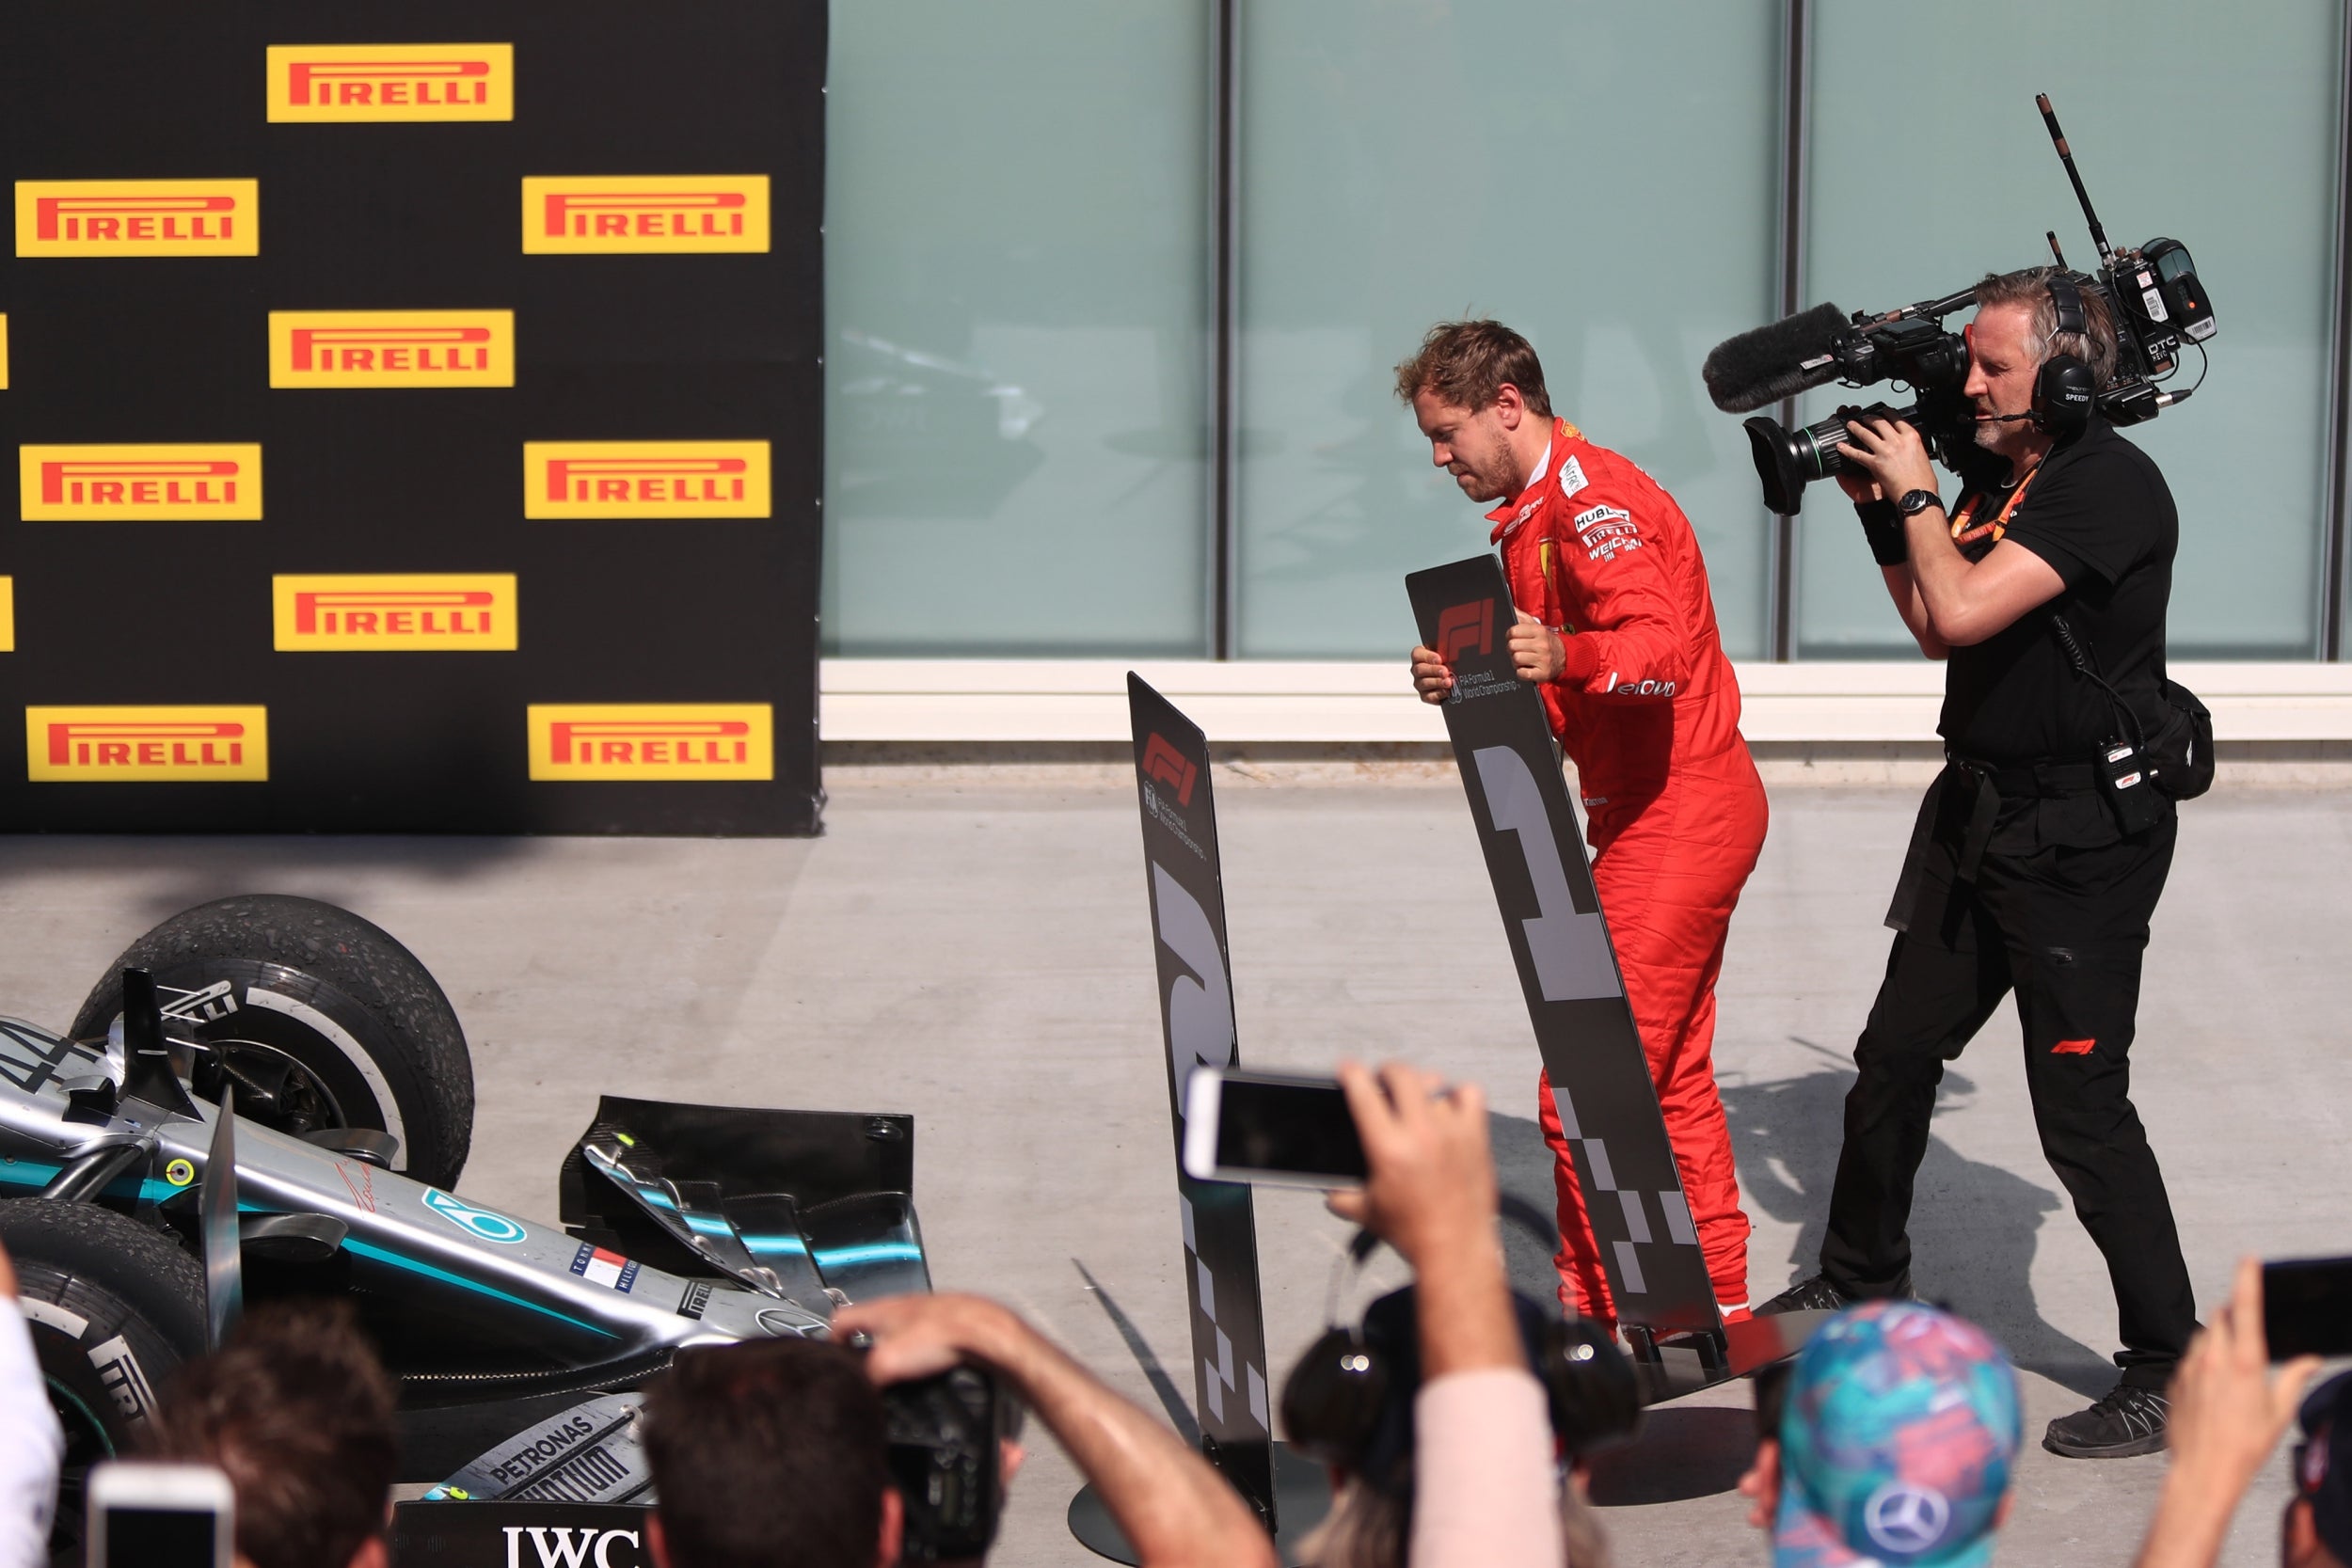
[
  {"x": 1164, "y": 762},
  {"x": 1466, "y": 629}
]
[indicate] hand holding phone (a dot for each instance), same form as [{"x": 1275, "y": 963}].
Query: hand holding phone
[{"x": 160, "y": 1516}]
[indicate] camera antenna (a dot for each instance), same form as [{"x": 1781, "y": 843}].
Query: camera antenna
[{"x": 2057, "y": 140}]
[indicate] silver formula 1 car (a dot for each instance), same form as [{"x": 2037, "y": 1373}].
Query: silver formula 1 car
[{"x": 516, "y": 1342}]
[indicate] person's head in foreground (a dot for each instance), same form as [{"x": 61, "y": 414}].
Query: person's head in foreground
[
  {"x": 1898, "y": 1432},
  {"x": 769, "y": 1454},
  {"x": 1370, "y": 1450},
  {"x": 298, "y": 1412},
  {"x": 2317, "y": 1529}
]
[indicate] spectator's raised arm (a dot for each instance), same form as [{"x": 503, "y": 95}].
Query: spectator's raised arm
[{"x": 1176, "y": 1511}]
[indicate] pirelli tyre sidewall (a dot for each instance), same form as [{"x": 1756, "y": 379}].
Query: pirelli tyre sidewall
[
  {"x": 114, "y": 1307},
  {"x": 376, "y": 1041}
]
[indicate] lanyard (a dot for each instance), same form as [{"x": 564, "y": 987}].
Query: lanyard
[{"x": 1965, "y": 534}]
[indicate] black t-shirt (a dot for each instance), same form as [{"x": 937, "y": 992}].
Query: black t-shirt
[{"x": 2101, "y": 515}]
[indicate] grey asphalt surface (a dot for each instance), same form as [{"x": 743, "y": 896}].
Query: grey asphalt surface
[{"x": 982, "y": 958}]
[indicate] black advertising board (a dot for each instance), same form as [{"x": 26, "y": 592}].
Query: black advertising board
[
  {"x": 1196, "y": 987},
  {"x": 1534, "y": 850},
  {"x": 417, "y": 415}
]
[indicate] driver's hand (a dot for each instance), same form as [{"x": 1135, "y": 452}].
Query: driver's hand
[{"x": 1431, "y": 677}]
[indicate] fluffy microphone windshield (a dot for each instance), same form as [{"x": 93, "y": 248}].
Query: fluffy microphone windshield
[{"x": 1759, "y": 368}]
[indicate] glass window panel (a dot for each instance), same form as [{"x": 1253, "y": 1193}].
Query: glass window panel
[
  {"x": 1016, "y": 315},
  {"x": 2229, "y": 148},
  {"x": 1601, "y": 176}
]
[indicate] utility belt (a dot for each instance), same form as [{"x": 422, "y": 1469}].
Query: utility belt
[{"x": 1989, "y": 785}]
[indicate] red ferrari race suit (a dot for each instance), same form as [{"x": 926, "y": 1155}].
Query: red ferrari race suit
[{"x": 1648, "y": 710}]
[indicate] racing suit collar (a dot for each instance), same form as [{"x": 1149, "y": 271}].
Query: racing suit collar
[{"x": 1522, "y": 506}]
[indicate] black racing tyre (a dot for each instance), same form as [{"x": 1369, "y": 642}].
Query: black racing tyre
[
  {"x": 318, "y": 1017},
  {"x": 114, "y": 1307}
]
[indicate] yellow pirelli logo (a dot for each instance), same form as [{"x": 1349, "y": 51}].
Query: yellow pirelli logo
[
  {"x": 652, "y": 742},
  {"x": 316, "y": 82},
  {"x": 146, "y": 483},
  {"x": 434, "y": 612},
  {"x": 8, "y": 615},
  {"x": 391, "y": 348},
  {"x": 138, "y": 217},
  {"x": 3, "y": 354},
  {"x": 645, "y": 479},
  {"x": 146, "y": 745},
  {"x": 580, "y": 215}
]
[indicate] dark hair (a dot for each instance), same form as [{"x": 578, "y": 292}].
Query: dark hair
[
  {"x": 2030, "y": 288},
  {"x": 298, "y": 1411},
  {"x": 768, "y": 1454},
  {"x": 1467, "y": 363}
]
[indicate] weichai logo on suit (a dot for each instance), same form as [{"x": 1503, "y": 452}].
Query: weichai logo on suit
[
  {"x": 322, "y": 82},
  {"x": 138, "y": 217},
  {"x": 650, "y": 742},
  {"x": 645, "y": 479},
  {"x": 146, "y": 745},
  {"x": 391, "y": 348},
  {"x": 140, "y": 483},
  {"x": 575, "y": 215},
  {"x": 431, "y": 612}
]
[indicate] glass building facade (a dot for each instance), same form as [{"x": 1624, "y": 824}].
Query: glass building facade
[{"x": 1115, "y": 288}]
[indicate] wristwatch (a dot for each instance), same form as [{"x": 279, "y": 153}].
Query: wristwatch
[{"x": 1916, "y": 501}]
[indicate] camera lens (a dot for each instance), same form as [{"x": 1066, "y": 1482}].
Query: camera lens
[{"x": 1787, "y": 461}]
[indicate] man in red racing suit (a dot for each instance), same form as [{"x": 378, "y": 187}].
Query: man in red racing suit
[{"x": 1618, "y": 628}]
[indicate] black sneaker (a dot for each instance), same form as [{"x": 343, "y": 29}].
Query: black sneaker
[
  {"x": 2129, "y": 1421},
  {"x": 1818, "y": 1294}
]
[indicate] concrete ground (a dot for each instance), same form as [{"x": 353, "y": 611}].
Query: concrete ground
[{"x": 983, "y": 959}]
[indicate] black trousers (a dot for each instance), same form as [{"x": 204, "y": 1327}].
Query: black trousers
[{"x": 2064, "y": 928}]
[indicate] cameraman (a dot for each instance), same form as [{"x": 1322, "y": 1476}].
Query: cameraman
[{"x": 2027, "y": 870}]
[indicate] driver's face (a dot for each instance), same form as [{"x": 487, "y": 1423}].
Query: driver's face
[
  {"x": 1472, "y": 446},
  {"x": 2001, "y": 372}
]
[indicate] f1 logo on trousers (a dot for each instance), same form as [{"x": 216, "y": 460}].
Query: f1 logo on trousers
[
  {"x": 570, "y": 1548},
  {"x": 1568, "y": 947}
]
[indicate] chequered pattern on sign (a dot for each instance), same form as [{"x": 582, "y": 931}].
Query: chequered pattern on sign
[
  {"x": 1632, "y": 1207},
  {"x": 1216, "y": 1376},
  {"x": 420, "y": 276}
]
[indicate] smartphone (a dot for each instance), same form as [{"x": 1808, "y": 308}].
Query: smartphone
[
  {"x": 160, "y": 1516},
  {"x": 1270, "y": 1128},
  {"x": 2307, "y": 1307}
]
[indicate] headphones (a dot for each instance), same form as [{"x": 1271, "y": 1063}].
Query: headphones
[
  {"x": 1349, "y": 1402},
  {"x": 2063, "y": 389}
]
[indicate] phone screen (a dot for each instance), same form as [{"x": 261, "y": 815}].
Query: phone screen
[
  {"x": 160, "y": 1538},
  {"x": 2307, "y": 1307},
  {"x": 1298, "y": 1129}
]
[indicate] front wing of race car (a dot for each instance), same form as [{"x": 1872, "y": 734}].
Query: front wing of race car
[{"x": 765, "y": 1218}]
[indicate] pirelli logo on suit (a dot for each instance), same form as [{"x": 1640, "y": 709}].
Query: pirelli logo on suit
[
  {"x": 645, "y": 479},
  {"x": 385, "y": 612},
  {"x": 102, "y": 219},
  {"x": 624, "y": 214},
  {"x": 344, "y": 82},
  {"x": 175, "y": 483},
  {"x": 146, "y": 745},
  {"x": 651, "y": 742},
  {"x": 391, "y": 348}
]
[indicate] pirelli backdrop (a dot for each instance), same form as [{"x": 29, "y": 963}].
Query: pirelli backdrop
[{"x": 416, "y": 413}]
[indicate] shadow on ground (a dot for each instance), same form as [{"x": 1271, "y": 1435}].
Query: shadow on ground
[
  {"x": 203, "y": 867},
  {"x": 1786, "y": 1133}
]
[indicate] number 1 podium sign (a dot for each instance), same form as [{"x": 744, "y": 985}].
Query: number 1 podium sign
[{"x": 1584, "y": 1029}]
